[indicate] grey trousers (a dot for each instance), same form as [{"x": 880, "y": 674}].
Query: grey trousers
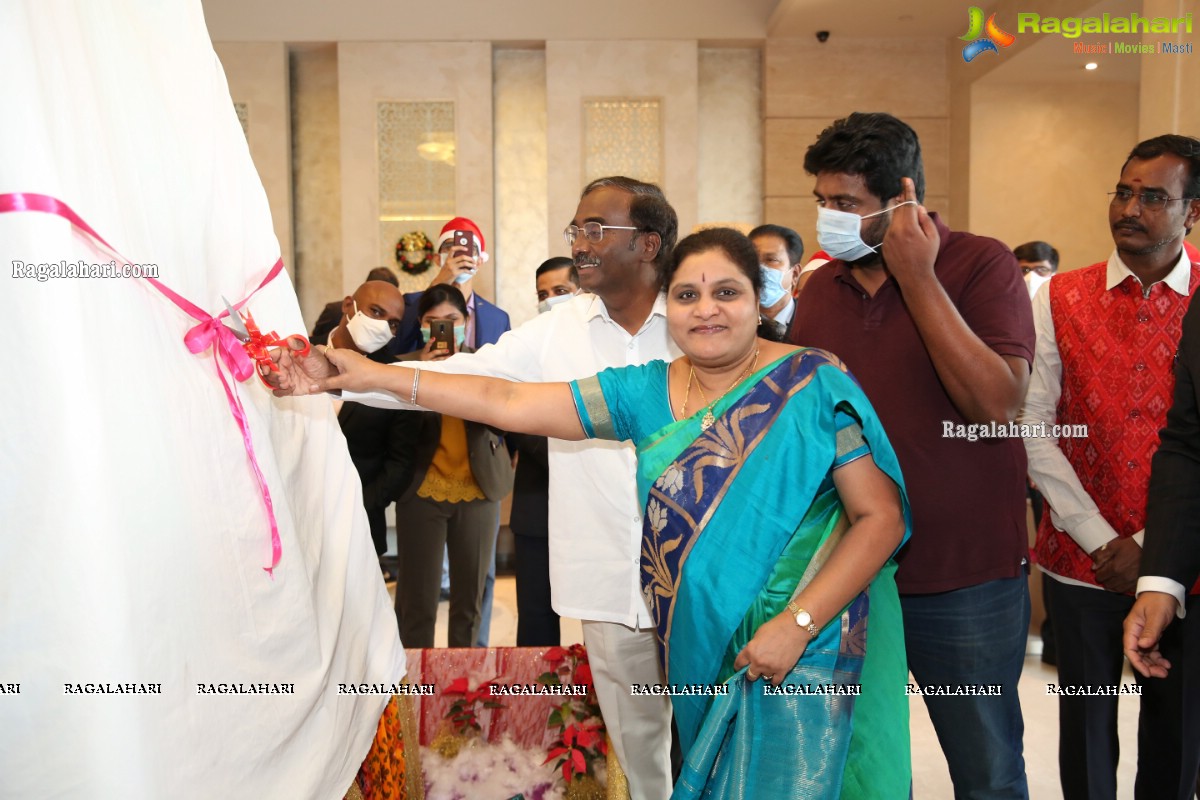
[{"x": 423, "y": 528}]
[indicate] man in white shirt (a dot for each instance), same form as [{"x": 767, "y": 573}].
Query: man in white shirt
[{"x": 622, "y": 232}]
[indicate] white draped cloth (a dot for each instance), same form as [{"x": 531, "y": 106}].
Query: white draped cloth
[{"x": 133, "y": 535}]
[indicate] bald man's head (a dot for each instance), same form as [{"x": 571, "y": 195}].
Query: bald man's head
[{"x": 379, "y": 307}]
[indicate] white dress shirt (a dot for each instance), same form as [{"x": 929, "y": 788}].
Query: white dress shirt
[
  {"x": 784, "y": 317},
  {"x": 595, "y": 518},
  {"x": 1071, "y": 508}
]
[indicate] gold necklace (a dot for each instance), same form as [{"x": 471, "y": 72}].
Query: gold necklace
[{"x": 708, "y": 420}]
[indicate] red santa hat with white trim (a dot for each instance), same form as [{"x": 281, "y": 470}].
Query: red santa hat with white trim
[{"x": 462, "y": 224}]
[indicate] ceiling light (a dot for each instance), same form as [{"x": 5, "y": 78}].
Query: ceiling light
[{"x": 1091, "y": 65}]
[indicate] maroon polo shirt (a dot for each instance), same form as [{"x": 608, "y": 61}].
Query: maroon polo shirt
[{"x": 968, "y": 498}]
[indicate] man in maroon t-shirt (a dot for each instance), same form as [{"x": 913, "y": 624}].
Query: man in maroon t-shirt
[{"x": 936, "y": 326}]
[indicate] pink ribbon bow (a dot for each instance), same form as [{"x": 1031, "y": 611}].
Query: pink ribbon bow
[{"x": 208, "y": 333}]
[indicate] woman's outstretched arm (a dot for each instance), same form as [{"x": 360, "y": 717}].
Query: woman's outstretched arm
[{"x": 545, "y": 409}]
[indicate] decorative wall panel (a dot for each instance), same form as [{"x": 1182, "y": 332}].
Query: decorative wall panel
[
  {"x": 521, "y": 176},
  {"x": 623, "y": 136}
]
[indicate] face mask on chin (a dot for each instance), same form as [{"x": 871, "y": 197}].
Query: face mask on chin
[
  {"x": 552, "y": 301},
  {"x": 839, "y": 233},
  {"x": 369, "y": 334},
  {"x": 1033, "y": 282}
]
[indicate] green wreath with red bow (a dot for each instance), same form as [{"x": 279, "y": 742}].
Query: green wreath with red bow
[{"x": 414, "y": 253}]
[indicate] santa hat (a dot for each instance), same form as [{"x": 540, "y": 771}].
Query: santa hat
[{"x": 462, "y": 224}]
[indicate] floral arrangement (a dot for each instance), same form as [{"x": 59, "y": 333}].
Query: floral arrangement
[
  {"x": 581, "y": 741},
  {"x": 414, "y": 253},
  {"x": 462, "y": 718}
]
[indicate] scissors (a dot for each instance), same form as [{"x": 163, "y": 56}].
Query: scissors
[{"x": 258, "y": 344}]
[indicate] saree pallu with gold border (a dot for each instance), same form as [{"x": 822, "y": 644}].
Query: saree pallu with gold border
[{"x": 736, "y": 519}]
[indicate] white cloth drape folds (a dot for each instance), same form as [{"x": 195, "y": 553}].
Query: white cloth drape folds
[{"x": 132, "y": 533}]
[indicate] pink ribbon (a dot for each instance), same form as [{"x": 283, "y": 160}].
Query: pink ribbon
[{"x": 208, "y": 333}]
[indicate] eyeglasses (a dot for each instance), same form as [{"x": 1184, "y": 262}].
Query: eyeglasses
[
  {"x": 1043, "y": 271},
  {"x": 592, "y": 231},
  {"x": 1147, "y": 200}
]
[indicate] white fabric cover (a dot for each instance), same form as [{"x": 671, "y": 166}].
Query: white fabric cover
[{"x": 132, "y": 534}]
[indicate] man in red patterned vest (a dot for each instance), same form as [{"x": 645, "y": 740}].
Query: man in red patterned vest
[{"x": 1106, "y": 340}]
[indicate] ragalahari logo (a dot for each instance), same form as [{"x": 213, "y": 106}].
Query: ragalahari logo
[{"x": 983, "y": 38}]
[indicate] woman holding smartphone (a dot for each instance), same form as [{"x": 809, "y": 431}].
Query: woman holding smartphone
[{"x": 461, "y": 471}]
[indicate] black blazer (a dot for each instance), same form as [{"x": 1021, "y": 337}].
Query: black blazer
[
  {"x": 331, "y": 317},
  {"x": 1173, "y": 512},
  {"x": 379, "y": 444},
  {"x": 531, "y": 487}
]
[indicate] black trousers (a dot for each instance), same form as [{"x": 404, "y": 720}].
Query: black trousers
[
  {"x": 1088, "y": 628},
  {"x": 537, "y": 624}
]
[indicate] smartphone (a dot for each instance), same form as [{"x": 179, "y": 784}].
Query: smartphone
[
  {"x": 441, "y": 333},
  {"x": 465, "y": 240}
]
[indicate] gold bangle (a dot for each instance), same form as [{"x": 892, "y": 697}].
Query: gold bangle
[{"x": 416, "y": 381}]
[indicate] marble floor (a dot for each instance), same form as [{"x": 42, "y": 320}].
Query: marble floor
[{"x": 930, "y": 776}]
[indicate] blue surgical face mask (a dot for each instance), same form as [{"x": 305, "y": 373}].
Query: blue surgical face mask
[
  {"x": 772, "y": 288},
  {"x": 839, "y": 233},
  {"x": 460, "y": 335}
]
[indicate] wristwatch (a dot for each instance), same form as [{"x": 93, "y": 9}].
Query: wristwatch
[{"x": 804, "y": 620}]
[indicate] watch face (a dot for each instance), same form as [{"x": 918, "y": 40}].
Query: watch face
[{"x": 804, "y": 619}]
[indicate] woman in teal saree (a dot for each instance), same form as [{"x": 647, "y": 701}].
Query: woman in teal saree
[{"x": 771, "y": 517}]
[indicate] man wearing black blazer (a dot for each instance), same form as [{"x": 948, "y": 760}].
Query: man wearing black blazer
[
  {"x": 1156, "y": 644},
  {"x": 376, "y": 438},
  {"x": 557, "y": 280},
  {"x": 331, "y": 315}
]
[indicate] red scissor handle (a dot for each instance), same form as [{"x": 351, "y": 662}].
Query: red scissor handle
[{"x": 258, "y": 346}]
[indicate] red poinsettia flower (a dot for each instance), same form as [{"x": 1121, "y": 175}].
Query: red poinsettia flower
[
  {"x": 555, "y": 655},
  {"x": 587, "y": 738},
  {"x": 583, "y": 675}
]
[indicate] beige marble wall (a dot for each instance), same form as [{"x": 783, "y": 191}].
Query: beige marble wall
[
  {"x": 522, "y": 224},
  {"x": 372, "y": 72},
  {"x": 1168, "y": 81},
  {"x": 576, "y": 71},
  {"x": 807, "y": 85},
  {"x": 317, "y": 178},
  {"x": 729, "y": 173},
  {"x": 257, "y": 73},
  {"x": 1040, "y": 170}
]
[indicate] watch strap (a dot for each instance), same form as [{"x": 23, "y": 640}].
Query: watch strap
[{"x": 796, "y": 611}]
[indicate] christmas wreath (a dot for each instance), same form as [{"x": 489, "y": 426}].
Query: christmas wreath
[{"x": 414, "y": 253}]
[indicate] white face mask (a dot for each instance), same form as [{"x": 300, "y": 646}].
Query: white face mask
[
  {"x": 369, "y": 334},
  {"x": 839, "y": 233},
  {"x": 1033, "y": 282},
  {"x": 553, "y": 300}
]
